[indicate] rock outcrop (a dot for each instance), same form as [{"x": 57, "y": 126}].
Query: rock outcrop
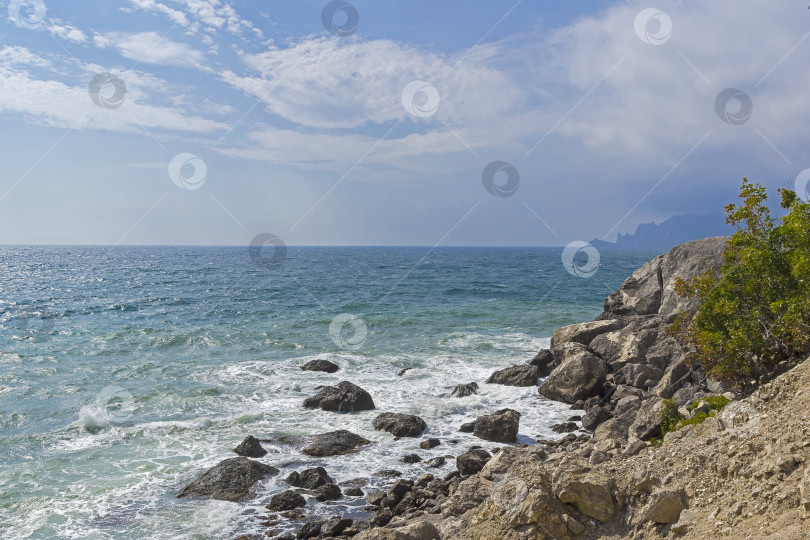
[
  {"x": 345, "y": 397},
  {"x": 250, "y": 447},
  {"x": 230, "y": 480}
]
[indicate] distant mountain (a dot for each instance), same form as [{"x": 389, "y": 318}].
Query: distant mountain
[{"x": 670, "y": 233}]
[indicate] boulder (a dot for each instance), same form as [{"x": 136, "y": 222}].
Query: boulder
[
  {"x": 464, "y": 390},
  {"x": 410, "y": 459},
  {"x": 683, "y": 262},
  {"x": 500, "y": 426},
  {"x": 345, "y": 397},
  {"x": 310, "y": 478},
  {"x": 648, "y": 419},
  {"x": 320, "y": 365},
  {"x": 640, "y": 294},
  {"x": 589, "y": 491},
  {"x": 663, "y": 506},
  {"x": 414, "y": 531},
  {"x": 229, "y": 480},
  {"x": 310, "y": 530},
  {"x": 582, "y": 333},
  {"x": 288, "y": 500},
  {"x": 614, "y": 429},
  {"x": 328, "y": 492},
  {"x": 673, "y": 379},
  {"x": 544, "y": 361},
  {"x": 472, "y": 461},
  {"x": 250, "y": 447},
  {"x": 467, "y": 427},
  {"x": 427, "y": 444},
  {"x": 580, "y": 376},
  {"x": 334, "y": 443},
  {"x": 525, "y": 375},
  {"x": 335, "y": 526},
  {"x": 595, "y": 416},
  {"x": 436, "y": 462},
  {"x": 400, "y": 425},
  {"x": 638, "y": 375}
]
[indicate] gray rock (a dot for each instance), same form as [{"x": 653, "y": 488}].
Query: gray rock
[
  {"x": 229, "y": 480},
  {"x": 472, "y": 461},
  {"x": 335, "y": 526},
  {"x": 345, "y": 397},
  {"x": 400, "y": 425},
  {"x": 634, "y": 448},
  {"x": 310, "y": 478},
  {"x": 525, "y": 375},
  {"x": 580, "y": 376},
  {"x": 544, "y": 361},
  {"x": 410, "y": 459},
  {"x": 685, "y": 261},
  {"x": 594, "y": 417},
  {"x": 436, "y": 462},
  {"x": 320, "y": 365},
  {"x": 637, "y": 375},
  {"x": 582, "y": 333},
  {"x": 564, "y": 427},
  {"x": 467, "y": 427},
  {"x": 648, "y": 419},
  {"x": 328, "y": 492},
  {"x": 353, "y": 492},
  {"x": 464, "y": 390},
  {"x": 615, "y": 428},
  {"x": 334, "y": 443},
  {"x": 673, "y": 379},
  {"x": 250, "y": 447},
  {"x": 288, "y": 500},
  {"x": 310, "y": 530},
  {"x": 500, "y": 426},
  {"x": 427, "y": 444},
  {"x": 640, "y": 294}
]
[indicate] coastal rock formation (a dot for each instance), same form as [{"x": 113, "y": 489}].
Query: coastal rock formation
[
  {"x": 309, "y": 479},
  {"x": 334, "y": 443},
  {"x": 525, "y": 375},
  {"x": 472, "y": 461},
  {"x": 579, "y": 376},
  {"x": 464, "y": 390},
  {"x": 500, "y": 426},
  {"x": 400, "y": 425},
  {"x": 345, "y": 397},
  {"x": 229, "y": 480},
  {"x": 250, "y": 447},
  {"x": 320, "y": 365},
  {"x": 544, "y": 361}
]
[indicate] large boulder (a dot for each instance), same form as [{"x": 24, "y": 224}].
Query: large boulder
[
  {"x": 638, "y": 375},
  {"x": 582, "y": 333},
  {"x": 685, "y": 261},
  {"x": 580, "y": 376},
  {"x": 287, "y": 500},
  {"x": 595, "y": 416},
  {"x": 472, "y": 461},
  {"x": 525, "y": 375},
  {"x": 345, "y": 397},
  {"x": 648, "y": 419},
  {"x": 250, "y": 447},
  {"x": 400, "y": 425},
  {"x": 544, "y": 360},
  {"x": 500, "y": 426},
  {"x": 309, "y": 479},
  {"x": 229, "y": 480},
  {"x": 334, "y": 443},
  {"x": 673, "y": 379},
  {"x": 640, "y": 294},
  {"x": 589, "y": 491}
]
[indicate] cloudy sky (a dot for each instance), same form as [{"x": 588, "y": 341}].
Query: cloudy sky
[{"x": 390, "y": 123}]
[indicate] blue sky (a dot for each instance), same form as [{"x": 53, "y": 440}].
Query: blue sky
[{"x": 606, "y": 110}]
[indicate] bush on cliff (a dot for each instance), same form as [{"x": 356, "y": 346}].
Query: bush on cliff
[{"x": 754, "y": 312}]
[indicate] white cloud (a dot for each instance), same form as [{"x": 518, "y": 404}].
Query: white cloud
[
  {"x": 208, "y": 14},
  {"x": 55, "y": 103},
  {"x": 151, "y": 48},
  {"x": 67, "y": 32}
]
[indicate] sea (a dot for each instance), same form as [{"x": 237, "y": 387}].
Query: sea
[{"x": 126, "y": 372}]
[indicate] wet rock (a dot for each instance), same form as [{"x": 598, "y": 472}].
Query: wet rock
[
  {"x": 544, "y": 361},
  {"x": 429, "y": 443},
  {"x": 578, "y": 377},
  {"x": 229, "y": 480},
  {"x": 345, "y": 397},
  {"x": 328, "y": 492},
  {"x": 595, "y": 416},
  {"x": 500, "y": 426},
  {"x": 376, "y": 498},
  {"x": 310, "y": 530},
  {"x": 469, "y": 427},
  {"x": 400, "y": 425},
  {"x": 472, "y": 461},
  {"x": 664, "y": 506},
  {"x": 464, "y": 390},
  {"x": 250, "y": 447},
  {"x": 564, "y": 427},
  {"x": 288, "y": 500},
  {"x": 388, "y": 473},
  {"x": 354, "y": 492},
  {"x": 334, "y": 443},
  {"x": 335, "y": 526},
  {"x": 411, "y": 459},
  {"x": 309, "y": 479},
  {"x": 525, "y": 375},
  {"x": 436, "y": 462},
  {"x": 320, "y": 365}
]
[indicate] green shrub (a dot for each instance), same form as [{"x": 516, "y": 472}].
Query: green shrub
[
  {"x": 672, "y": 420},
  {"x": 754, "y": 312}
]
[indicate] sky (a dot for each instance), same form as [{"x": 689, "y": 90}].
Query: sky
[{"x": 515, "y": 123}]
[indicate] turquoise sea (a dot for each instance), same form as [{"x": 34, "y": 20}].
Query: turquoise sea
[{"x": 126, "y": 372}]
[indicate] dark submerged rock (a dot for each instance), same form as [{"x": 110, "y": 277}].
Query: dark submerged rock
[
  {"x": 310, "y": 478},
  {"x": 334, "y": 443},
  {"x": 229, "y": 480},
  {"x": 400, "y": 425},
  {"x": 429, "y": 443},
  {"x": 320, "y": 365},
  {"x": 345, "y": 397},
  {"x": 464, "y": 390}
]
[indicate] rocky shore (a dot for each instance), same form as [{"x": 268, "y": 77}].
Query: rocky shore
[{"x": 740, "y": 473}]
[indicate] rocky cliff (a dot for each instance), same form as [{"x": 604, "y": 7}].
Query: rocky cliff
[{"x": 739, "y": 474}]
